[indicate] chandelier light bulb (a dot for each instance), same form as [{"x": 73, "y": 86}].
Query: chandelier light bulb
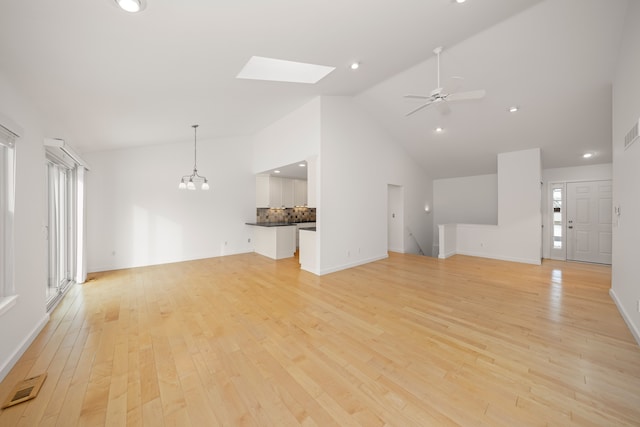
[
  {"x": 182, "y": 185},
  {"x": 191, "y": 185},
  {"x": 205, "y": 185}
]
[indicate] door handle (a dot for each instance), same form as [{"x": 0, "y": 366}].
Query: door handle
[{"x": 571, "y": 226}]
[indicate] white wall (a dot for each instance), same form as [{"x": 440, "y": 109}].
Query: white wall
[
  {"x": 464, "y": 200},
  {"x": 25, "y": 319},
  {"x": 355, "y": 162},
  {"x": 626, "y": 174},
  {"x": 136, "y": 215},
  {"x": 293, "y": 138},
  {"x": 359, "y": 160},
  {"x": 560, "y": 175},
  {"x": 517, "y": 237},
  {"x": 395, "y": 215}
]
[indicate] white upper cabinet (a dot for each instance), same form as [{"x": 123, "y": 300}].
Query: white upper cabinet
[
  {"x": 276, "y": 192},
  {"x": 299, "y": 192},
  {"x": 287, "y": 192}
]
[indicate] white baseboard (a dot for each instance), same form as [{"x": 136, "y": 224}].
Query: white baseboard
[
  {"x": 535, "y": 261},
  {"x": 24, "y": 345},
  {"x": 352, "y": 264},
  {"x": 446, "y": 255},
  {"x": 634, "y": 330}
]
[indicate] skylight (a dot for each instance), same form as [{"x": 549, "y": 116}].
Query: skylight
[{"x": 279, "y": 70}]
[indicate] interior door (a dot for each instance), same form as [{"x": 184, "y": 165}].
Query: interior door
[{"x": 589, "y": 221}]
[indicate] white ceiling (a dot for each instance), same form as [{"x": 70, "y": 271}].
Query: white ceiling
[{"x": 104, "y": 79}]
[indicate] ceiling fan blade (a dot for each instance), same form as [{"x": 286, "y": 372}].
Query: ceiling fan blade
[
  {"x": 415, "y": 110},
  {"x": 463, "y": 96},
  {"x": 417, "y": 96},
  {"x": 453, "y": 84}
]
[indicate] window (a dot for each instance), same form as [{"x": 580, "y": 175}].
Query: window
[
  {"x": 65, "y": 200},
  {"x": 557, "y": 218},
  {"x": 7, "y": 201}
]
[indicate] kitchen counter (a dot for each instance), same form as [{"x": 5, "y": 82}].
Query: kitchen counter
[
  {"x": 308, "y": 250},
  {"x": 274, "y": 240}
]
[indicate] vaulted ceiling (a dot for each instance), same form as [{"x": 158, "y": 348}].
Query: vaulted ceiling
[{"x": 103, "y": 79}]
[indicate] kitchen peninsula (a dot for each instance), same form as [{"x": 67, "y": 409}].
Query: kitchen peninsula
[{"x": 275, "y": 240}]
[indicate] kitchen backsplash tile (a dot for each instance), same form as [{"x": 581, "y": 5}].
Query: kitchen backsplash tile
[{"x": 286, "y": 215}]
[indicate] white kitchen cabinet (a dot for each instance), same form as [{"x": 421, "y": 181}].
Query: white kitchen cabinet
[
  {"x": 288, "y": 192},
  {"x": 299, "y": 192},
  {"x": 275, "y": 242},
  {"x": 307, "y": 255},
  {"x": 276, "y": 192},
  {"x": 300, "y": 225}
]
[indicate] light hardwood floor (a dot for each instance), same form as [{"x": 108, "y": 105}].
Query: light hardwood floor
[{"x": 407, "y": 341}]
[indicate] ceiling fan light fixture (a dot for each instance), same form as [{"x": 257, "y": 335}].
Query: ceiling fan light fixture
[
  {"x": 131, "y": 6},
  {"x": 441, "y": 96}
]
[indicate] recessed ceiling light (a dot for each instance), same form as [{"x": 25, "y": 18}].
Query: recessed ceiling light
[
  {"x": 354, "y": 65},
  {"x": 302, "y": 165},
  {"x": 439, "y": 129},
  {"x": 587, "y": 155},
  {"x": 132, "y": 6},
  {"x": 460, "y": 1},
  {"x": 279, "y": 70},
  {"x": 514, "y": 109},
  {"x": 276, "y": 171}
]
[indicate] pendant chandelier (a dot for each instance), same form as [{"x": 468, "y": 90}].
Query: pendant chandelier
[{"x": 189, "y": 181}]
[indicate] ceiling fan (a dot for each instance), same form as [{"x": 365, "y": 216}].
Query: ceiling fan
[{"x": 441, "y": 97}]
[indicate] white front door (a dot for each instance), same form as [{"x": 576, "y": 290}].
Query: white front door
[{"x": 589, "y": 222}]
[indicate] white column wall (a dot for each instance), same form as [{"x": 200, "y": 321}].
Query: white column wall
[
  {"x": 359, "y": 160},
  {"x": 626, "y": 174},
  {"x": 518, "y": 235}
]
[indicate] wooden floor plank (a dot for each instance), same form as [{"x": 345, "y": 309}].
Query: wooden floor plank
[{"x": 409, "y": 340}]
